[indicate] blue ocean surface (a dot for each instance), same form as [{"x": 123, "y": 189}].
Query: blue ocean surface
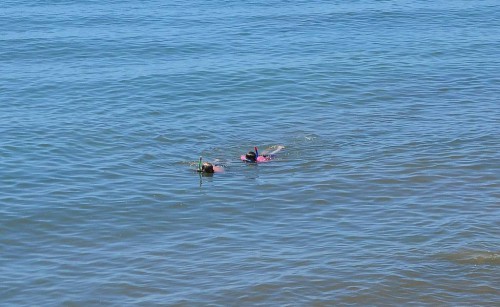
[{"x": 387, "y": 191}]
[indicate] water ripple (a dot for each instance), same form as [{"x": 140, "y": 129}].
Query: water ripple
[{"x": 386, "y": 191}]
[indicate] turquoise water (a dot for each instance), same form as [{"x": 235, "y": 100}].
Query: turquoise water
[{"x": 387, "y": 191}]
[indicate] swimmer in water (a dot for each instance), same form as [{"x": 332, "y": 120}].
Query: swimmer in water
[
  {"x": 208, "y": 168},
  {"x": 254, "y": 157}
]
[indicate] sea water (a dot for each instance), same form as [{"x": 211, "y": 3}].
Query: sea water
[{"x": 387, "y": 191}]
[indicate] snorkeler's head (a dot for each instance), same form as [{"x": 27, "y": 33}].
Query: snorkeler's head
[
  {"x": 251, "y": 156},
  {"x": 207, "y": 167}
]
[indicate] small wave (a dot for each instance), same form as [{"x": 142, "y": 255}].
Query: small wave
[{"x": 474, "y": 257}]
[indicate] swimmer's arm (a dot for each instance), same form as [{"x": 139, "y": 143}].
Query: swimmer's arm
[
  {"x": 218, "y": 169},
  {"x": 278, "y": 149}
]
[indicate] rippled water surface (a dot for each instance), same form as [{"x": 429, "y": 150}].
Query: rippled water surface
[{"x": 387, "y": 191}]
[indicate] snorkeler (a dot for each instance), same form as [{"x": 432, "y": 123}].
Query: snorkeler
[
  {"x": 254, "y": 157},
  {"x": 208, "y": 168}
]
